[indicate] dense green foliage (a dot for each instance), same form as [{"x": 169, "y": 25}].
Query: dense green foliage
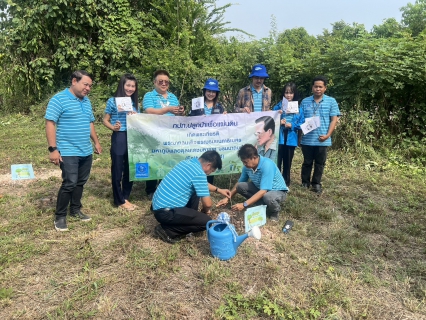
[{"x": 377, "y": 76}]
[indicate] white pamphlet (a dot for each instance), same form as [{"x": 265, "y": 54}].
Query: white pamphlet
[
  {"x": 124, "y": 104},
  {"x": 310, "y": 124},
  {"x": 198, "y": 103},
  {"x": 284, "y": 105},
  {"x": 292, "y": 107}
]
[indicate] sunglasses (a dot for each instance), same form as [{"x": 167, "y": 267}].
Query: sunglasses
[{"x": 163, "y": 82}]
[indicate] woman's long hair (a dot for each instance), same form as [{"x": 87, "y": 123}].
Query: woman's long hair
[{"x": 120, "y": 89}]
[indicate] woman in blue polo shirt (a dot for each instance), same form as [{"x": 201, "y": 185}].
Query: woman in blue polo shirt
[
  {"x": 116, "y": 122},
  {"x": 290, "y": 124},
  {"x": 211, "y": 106}
]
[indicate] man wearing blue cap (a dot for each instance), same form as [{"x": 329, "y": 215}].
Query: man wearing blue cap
[{"x": 256, "y": 97}]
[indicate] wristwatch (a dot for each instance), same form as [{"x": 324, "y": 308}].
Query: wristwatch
[
  {"x": 245, "y": 204},
  {"x": 51, "y": 149}
]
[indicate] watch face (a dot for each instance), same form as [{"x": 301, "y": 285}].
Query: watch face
[{"x": 51, "y": 149}]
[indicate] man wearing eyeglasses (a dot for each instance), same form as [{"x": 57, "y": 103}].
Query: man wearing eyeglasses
[
  {"x": 256, "y": 97},
  {"x": 160, "y": 100},
  {"x": 69, "y": 128}
]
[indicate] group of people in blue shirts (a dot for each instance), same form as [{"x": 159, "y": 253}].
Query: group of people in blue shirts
[
  {"x": 254, "y": 97},
  {"x": 73, "y": 104}
]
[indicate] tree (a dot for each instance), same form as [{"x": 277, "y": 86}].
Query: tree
[
  {"x": 389, "y": 28},
  {"x": 43, "y": 40},
  {"x": 414, "y": 16}
]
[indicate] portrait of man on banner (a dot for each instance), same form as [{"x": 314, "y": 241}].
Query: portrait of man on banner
[{"x": 265, "y": 135}]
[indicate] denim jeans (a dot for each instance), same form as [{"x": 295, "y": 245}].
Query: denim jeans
[{"x": 75, "y": 172}]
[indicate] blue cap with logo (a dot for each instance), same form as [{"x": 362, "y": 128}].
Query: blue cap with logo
[
  {"x": 259, "y": 70},
  {"x": 212, "y": 85}
]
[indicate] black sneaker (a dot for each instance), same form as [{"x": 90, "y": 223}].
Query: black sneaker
[
  {"x": 274, "y": 218},
  {"x": 61, "y": 224},
  {"x": 305, "y": 185},
  {"x": 193, "y": 235},
  {"x": 161, "y": 233},
  {"x": 80, "y": 215},
  {"x": 317, "y": 189}
]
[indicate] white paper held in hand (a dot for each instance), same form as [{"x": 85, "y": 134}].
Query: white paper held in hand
[
  {"x": 124, "y": 104},
  {"x": 284, "y": 105},
  {"x": 310, "y": 124},
  {"x": 198, "y": 103},
  {"x": 292, "y": 107}
]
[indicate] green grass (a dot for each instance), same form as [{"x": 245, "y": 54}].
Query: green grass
[{"x": 358, "y": 251}]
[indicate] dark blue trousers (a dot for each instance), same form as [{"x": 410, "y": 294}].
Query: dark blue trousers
[
  {"x": 315, "y": 156},
  {"x": 181, "y": 221},
  {"x": 75, "y": 173},
  {"x": 120, "y": 176}
]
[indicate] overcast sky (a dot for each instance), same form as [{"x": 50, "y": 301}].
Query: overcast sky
[{"x": 314, "y": 15}]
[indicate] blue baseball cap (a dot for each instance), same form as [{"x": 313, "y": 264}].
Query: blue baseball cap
[
  {"x": 258, "y": 70},
  {"x": 212, "y": 85}
]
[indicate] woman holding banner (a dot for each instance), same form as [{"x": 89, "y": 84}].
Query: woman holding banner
[{"x": 115, "y": 120}]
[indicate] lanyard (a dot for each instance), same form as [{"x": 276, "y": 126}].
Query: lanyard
[
  {"x": 164, "y": 105},
  {"x": 318, "y": 106}
]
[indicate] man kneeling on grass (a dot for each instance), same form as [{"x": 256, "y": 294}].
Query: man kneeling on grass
[
  {"x": 175, "y": 202},
  {"x": 266, "y": 185}
]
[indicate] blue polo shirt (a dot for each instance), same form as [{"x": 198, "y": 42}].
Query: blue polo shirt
[
  {"x": 179, "y": 185},
  {"x": 267, "y": 176},
  {"x": 257, "y": 99},
  {"x": 325, "y": 109},
  {"x": 72, "y": 117},
  {"x": 207, "y": 111},
  {"x": 111, "y": 109},
  {"x": 153, "y": 99}
]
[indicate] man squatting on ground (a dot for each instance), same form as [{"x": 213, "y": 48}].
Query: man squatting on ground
[
  {"x": 69, "y": 144},
  {"x": 175, "y": 202},
  {"x": 266, "y": 185},
  {"x": 315, "y": 143}
]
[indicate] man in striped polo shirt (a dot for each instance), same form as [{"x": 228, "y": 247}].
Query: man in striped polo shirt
[
  {"x": 266, "y": 185},
  {"x": 162, "y": 102},
  {"x": 69, "y": 128},
  {"x": 256, "y": 97},
  {"x": 175, "y": 202},
  {"x": 315, "y": 143}
]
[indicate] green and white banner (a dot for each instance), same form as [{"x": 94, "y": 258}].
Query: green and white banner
[{"x": 157, "y": 143}]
